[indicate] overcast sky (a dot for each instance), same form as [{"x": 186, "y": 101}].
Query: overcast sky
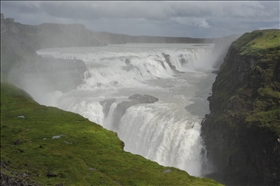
[{"x": 158, "y": 18}]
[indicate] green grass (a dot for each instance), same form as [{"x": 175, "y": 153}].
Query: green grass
[
  {"x": 269, "y": 93},
  {"x": 257, "y": 41},
  {"x": 85, "y": 154},
  {"x": 269, "y": 119}
]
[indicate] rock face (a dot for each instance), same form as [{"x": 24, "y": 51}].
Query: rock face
[
  {"x": 243, "y": 129},
  {"x": 123, "y": 106},
  {"x": 14, "y": 178},
  {"x": 15, "y": 181}
]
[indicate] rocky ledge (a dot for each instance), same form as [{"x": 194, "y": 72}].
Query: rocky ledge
[
  {"x": 14, "y": 178},
  {"x": 242, "y": 132}
]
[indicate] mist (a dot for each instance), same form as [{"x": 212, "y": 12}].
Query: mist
[
  {"x": 47, "y": 75},
  {"x": 153, "y": 95}
]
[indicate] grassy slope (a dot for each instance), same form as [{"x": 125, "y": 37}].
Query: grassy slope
[
  {"x": 86, "y": 154},
  {"x": 257, "y": 40},
  {"x": 257, "y": 98}
]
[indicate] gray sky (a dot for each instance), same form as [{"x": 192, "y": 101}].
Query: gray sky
[{"x": 159, "y": 18}]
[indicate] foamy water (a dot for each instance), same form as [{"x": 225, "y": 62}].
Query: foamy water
[{"x": 166, "y": 130}]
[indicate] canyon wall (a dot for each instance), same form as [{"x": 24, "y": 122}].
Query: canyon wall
[{"x": 242, "y": 132}]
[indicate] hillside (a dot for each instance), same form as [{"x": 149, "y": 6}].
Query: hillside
[
  {"x": 46, "y": 146},
  {"x": 111, "y": 38},
  {"x": 242, "y": 132}
]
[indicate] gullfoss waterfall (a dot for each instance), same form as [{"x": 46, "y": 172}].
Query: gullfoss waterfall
[{"x": 153, "y": 95}]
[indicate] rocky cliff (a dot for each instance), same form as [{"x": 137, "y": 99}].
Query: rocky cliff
[{"x": 242, "y": 132}]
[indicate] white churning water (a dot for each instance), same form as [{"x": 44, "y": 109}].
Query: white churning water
[{"x": 153, "y": 95}]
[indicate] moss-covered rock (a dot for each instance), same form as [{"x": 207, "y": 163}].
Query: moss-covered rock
[
  {"x": 46, "y": 146},
  {"x": 243, "y": 128}
]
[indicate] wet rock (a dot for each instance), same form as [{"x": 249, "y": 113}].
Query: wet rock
[
  {"x": 167, "y": 171},
  {"x": 123, "y": 106},
  {"x": 127, "y": 62},
  {"x": 51, "y": 174},
  {"x": 56, "y": 137},
  {"x": 93, "y": 169},
  {"x": 16, "y": 181},
  {"x": 20, "y": 150},
  {"x": 67, "y": 142},
  {"x": 106, "y": 105},
  {"x": 167, "y": 59},
  {"x": 143, "y": 98},
  {"x": 24, "y": 175}
]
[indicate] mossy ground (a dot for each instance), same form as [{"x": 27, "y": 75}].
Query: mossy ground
[
  {"x": 85, "y": 154},
  {"x": 257, "y": 41}
]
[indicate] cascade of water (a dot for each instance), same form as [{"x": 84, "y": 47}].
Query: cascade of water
[{"x": 154, "y": 98}]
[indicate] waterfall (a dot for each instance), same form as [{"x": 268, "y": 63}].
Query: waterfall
[{"x": 153, "y": 96}]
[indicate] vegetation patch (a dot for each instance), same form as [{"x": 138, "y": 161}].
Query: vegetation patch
[
  {"x": 258, "y": 41},
  {"x": 269, "y": 119}
]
